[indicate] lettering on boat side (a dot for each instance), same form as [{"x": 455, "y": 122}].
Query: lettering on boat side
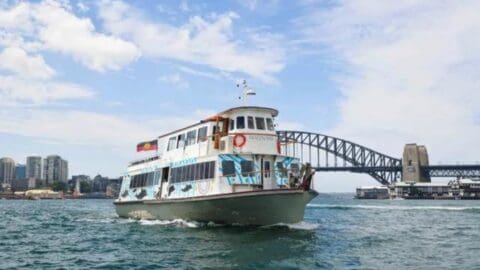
[
  {"x": 262, "y": 138},
  {"x": 183, "y": 162}
]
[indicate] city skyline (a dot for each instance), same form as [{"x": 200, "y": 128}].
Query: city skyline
[
  {"x": 378, "y": 74},
  {"x": 34, "y": 169}
]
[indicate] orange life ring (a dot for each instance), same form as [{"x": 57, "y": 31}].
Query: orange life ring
[
  {"x": 239, "y": 140},
  {"x": 279, "y": 147}
]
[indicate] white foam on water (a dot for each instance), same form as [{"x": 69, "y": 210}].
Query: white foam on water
[
  {"x": 302, "y": 225},
  {"x": 393, "y": 207},
  {"x": 175, "y": 222}
]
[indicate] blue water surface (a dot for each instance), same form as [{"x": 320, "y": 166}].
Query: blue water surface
[{"x": 338, "y": 233}]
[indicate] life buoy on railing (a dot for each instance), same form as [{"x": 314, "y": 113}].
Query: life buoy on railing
[
  {"x": 279, "y": 147},
  {"x": 239, "y": 140}
]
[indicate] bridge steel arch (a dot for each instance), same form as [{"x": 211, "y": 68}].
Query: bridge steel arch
[{"x": 322, "y": 150}]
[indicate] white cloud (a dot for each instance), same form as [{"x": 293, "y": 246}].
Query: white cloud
[
  {"x": 16, "y": 60},
  {"x": 174, "y": 79},
  {"x": 412, "y": 73},
  {"x": 199, "y": 73},
  {"x": 21, "y": 91},
  {"x": 50, "y": 25},
  {"x": 199, "y": 41}
]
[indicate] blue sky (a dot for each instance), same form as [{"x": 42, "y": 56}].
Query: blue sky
[{"x": 89, "y": 79}]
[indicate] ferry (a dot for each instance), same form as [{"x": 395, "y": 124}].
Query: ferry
[{"x": 225, "y": 169}]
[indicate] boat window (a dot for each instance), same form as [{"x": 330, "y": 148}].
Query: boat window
[
  {"x": 150, "y": 179},
  {"x": 199, "y": 171},
  {"x": 211, "y": 172},
  {"x": 206, "y": 170},
  {"x": 201, "y": 168},
  {"x": 231, "y": 124},
  {"x": 156, "y": 179},
  {"x": 191, "y": 137},
  {"x": 181, "y": 140},
  {"x": 214, "y": 130},
  {"x": 228, "y": 168},
  {"x": 281, "y": 169},
  {"x": 250, "y": 122},
  {"x": 196, "y": 174},
  {"x": 202, "y": 134},
  {"x": 240, "y": 122},
  {"x": 247, "y": 167},
  {"x": 142, "y": 180},
  {"x": 260, "y": 122},
  {"x": 172, "y": 143},
  {"x": 269, "y": 124}
]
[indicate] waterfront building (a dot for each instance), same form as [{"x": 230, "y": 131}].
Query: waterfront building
[
  {"x": 55, "y": 169},
  {"x": 417, "y": 190},
  {"x": 23, "y": 184},
  {"x": 34, "y": 167},
  {"x": 100, "y": 183},
  {"x": 20, "y": 171},
  {"x": 7, "y": 171},
  {"x": 374, "y": 192}
]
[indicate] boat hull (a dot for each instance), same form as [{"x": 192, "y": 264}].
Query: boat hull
[{"x": 250, "y": 208}]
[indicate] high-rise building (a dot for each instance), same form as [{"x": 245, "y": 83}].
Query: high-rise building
[
  {"x": 34, "y": 167},
  {"x": 55, "y": 169},
  {"x": 7, "y": 170},
  {"x": 20, "y": 171}
]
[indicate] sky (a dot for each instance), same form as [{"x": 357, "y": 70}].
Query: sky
[{"x": 89, "y": 79}]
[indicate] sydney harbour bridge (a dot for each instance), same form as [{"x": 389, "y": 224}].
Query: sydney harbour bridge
[{"x": 330, "y": 154}]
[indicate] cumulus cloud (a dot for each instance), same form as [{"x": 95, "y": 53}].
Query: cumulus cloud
[
  {"x": 18, "y": 61},
  {"x": 412, "y": 73},
  {"x": 50, "y": 25},
  {"x": 202, "y": 41}
]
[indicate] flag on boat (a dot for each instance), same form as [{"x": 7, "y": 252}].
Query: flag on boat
[{"x": 147, "y": 146}]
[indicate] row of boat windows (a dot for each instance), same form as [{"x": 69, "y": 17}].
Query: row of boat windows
[
  {"x": 145, "y": 179},
  {"x": 189, "y": 138},
  {"x": 200, "y": 135},
  {"x": 206, "y": 170},
  {"x": 198, "y": 171},
  {"x": 258, "y": 123},
  {"x": 247, "y": 168}
]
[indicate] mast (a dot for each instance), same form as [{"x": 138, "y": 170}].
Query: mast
[{"x": 247, "y": 91}]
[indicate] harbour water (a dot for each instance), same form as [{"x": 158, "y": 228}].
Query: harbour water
[{"x": 338, "y": 233}]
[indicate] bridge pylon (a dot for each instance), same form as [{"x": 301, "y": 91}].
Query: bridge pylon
[{"x": 414, "y": 158}]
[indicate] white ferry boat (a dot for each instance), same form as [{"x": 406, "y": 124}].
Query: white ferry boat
[{"x": 224, "y": 169}]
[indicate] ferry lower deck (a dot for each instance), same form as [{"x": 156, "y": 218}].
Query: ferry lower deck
[{"x": 262, "y": 207}]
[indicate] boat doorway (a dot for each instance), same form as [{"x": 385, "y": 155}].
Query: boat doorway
[
  {"x": 266, "y": 173},
  {"x": 164, "y": 180}
]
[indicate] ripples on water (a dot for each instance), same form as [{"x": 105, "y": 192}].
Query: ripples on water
[{"x": 337, "y": 233}]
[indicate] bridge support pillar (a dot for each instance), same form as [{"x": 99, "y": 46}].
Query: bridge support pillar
[{"x": 414, "y": 157}]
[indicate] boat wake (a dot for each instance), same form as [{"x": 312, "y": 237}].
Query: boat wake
[
  {"x": 195, "y": 224},
  {"x": 175, "y": 222},
  {"x": 393, "y": 207}
]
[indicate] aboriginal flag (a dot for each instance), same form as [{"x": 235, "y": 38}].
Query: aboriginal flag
[{"x": 147, "y": 146}]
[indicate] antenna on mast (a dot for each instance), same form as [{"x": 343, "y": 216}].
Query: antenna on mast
[{"x": 247, "y": 91}]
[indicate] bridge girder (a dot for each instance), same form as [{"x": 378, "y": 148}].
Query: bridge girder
[{"x": 301, "y": 144}]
